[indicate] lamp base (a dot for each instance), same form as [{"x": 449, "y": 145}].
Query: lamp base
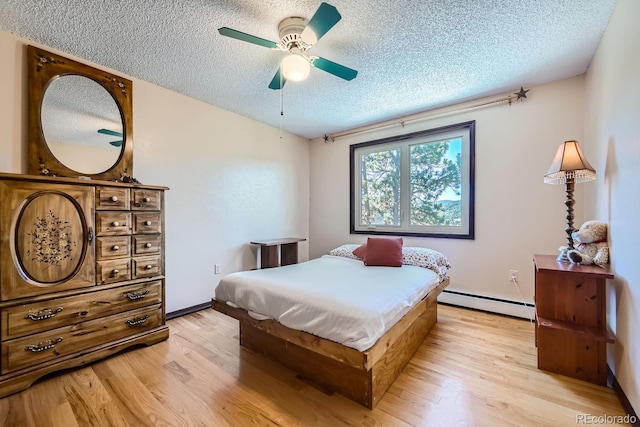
[{"x": 563, "y": 255}]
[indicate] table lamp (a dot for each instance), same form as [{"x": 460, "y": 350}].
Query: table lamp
[{"x": 569, "y": 167}]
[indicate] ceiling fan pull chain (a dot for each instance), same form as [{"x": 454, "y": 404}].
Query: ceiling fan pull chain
[{"x": 281, "y": 104}]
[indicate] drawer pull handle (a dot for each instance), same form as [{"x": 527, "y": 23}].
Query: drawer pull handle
[
  {"x": 147, "y": 223},
  {"x": 148, "y": 245},
  {"x": 115, "y": 248},
  {"x": 137, "y": 320},
  {"x": 114, "y": 198},
  {"x": 148, "y": 266},
  {"x": 47, "y": 313},
  {"x": 115, "y": 272},
  {"x": 147, "y": 199},
  {"x": 136, "y": 295},
  {"x": 42, "y": 346},
  {"x": 115, "y": 224}
]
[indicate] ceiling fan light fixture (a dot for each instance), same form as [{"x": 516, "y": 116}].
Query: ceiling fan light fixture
[{"x": 295, "y": 67}]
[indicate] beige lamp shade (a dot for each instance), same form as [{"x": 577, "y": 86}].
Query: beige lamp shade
[{"x": 569, "y": 164}]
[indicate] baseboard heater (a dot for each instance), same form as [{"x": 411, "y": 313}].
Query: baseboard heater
[{"x": 522, "y": 309}]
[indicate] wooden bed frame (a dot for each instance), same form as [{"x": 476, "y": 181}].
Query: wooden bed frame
[{"x": 362, "y": 376}]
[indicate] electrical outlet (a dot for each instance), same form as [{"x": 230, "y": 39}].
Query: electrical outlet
[
  {"x": 513, "y": 275},
  {"x": 216, "y": 269}
]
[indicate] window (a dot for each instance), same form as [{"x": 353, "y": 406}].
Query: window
[{"x": 420, "y": 184}]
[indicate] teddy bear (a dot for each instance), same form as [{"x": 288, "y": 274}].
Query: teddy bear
[{"x": 590, "y": 244}]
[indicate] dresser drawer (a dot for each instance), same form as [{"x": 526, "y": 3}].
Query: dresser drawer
[
  {"x": 115, "y": 270},
  {"x": 147, "y": 266},
  {"x": 45, "y": 315},
  {"x": 113, "y": 247},
  {"x": 38, "y": 348},
  {"x": 146, "y": 244},
  {"x": 113, "y": 223},
  {"x": 112, "y": 198},
  {"x": 146, "y": 200},
  {"x": 145, "y": 223}
]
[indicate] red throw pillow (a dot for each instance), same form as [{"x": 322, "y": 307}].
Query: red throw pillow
[
  {"x": 383, "y": 252},
  {"x": 360, "y": 251}
]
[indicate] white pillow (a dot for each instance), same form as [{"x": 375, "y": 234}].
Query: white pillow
[{"x": 427, "y": 258}]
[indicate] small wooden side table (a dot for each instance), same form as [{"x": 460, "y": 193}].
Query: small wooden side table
[
  {"x": 277, "y": 252},
  {"x": 571, "y": 318}
]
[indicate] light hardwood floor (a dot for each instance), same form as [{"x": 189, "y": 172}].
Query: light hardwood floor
[{"x": 474, "y": 369}]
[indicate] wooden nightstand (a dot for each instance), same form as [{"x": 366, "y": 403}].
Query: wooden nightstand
[
  {"x": 277, "y": 252},
  {"x": 571, "y": 318}
]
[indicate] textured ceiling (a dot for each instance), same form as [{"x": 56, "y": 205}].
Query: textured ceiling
[{"x": 410, "y": 55}]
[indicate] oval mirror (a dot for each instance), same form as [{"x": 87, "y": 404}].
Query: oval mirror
[
  {"x": 81, "y": 124},
  {"x": 80, "y": 119}
]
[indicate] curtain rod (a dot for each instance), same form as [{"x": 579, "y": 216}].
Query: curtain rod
[{"x": 522, "y": 94}]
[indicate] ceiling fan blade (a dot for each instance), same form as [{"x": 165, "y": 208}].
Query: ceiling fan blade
[
  {"x": 277, "y": 82},
  {"x": 334, "y": 68},
  {"x": 322, "y": 21},
  {"x": 112, "y": 133},
  {"x": 109, "y": 132},
  {"x": 235, "y": 34}
]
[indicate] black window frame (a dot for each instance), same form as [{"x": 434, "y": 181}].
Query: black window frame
[{"x": 469, "y": 126}]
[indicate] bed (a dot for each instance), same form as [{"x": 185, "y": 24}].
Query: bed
[{"x": 346, "y": 326}]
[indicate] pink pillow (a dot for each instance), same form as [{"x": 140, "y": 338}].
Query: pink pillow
[{"x": 383, "y": 252}]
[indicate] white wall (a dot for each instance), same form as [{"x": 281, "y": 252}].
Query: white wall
[
  {"x": 516, "y": 216},
  {"x": 13, "y": 105},
  {"x": 612, "y": 136},
  {"x": 231, "y": 179}
]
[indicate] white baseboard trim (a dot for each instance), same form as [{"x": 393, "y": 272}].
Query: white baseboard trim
[{"x": 490, "y": 304}]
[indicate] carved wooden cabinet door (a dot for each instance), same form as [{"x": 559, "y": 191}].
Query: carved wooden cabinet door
[{"x": 46, "y": 238}]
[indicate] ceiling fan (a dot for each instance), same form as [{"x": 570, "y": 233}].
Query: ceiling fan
[
  {"x": 297, "y": 36},
  {"x": 112, "y": 133}
]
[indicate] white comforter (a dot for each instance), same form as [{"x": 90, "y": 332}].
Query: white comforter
[{"x": 336, "y": 298}]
